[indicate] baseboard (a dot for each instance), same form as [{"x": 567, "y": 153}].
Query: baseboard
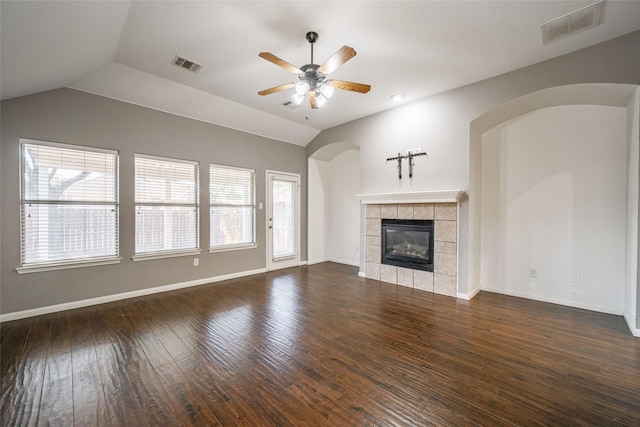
[
  {"x": 632, "y": 327},
  {"x": 469, "y": 295},
  {"x": 361, "y": 274},
  {"x": 125, "y": 295},
  {"x": 599, "y": 309},
  {"x": 342, "y": 261},
  {"x": 339, "y": 261}
]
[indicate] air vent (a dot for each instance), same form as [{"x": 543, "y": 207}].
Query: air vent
[
  {"x": 571, "y": 23},
  {"x": 291, "y": 104},
  {"x": 186, "y": 64}
]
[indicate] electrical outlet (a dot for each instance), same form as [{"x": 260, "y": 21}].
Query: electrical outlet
[
  {"x": 575, "y": 278},
  {"x": 196, "y": 262},
  {"x": 533, "y": 273}
]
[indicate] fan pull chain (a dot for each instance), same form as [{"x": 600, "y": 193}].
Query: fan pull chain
[{"x": 306, "y": 110}]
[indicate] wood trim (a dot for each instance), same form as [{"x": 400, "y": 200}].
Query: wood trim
[
  {"x": 6, "y": 317},
  {"x": 632, "y": 327},
  {"x": 600, "y": 309},
  {"x": 444, "y": 196}
]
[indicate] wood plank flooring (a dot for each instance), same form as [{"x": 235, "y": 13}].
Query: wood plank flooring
[{"x": 319, "y": 346}]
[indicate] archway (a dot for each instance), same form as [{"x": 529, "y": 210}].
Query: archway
[
  {"x": 334, "y": 211},
  {"x": 606, "y": 98}
]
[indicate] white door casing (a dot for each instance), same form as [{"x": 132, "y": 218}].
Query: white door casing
[{"x": 283, "y": 220}]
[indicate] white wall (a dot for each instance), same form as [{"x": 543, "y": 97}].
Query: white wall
[
  {"x": 344, "y": 176},
  {"x": 632, "y": 295},
  {"x": 434, "y": 125},
  {"x": 554, "y": 191},
  {"x": 446, "y": 126},
  {"x": 318, "y": 211},
  {"x": 334, "y": 210}
]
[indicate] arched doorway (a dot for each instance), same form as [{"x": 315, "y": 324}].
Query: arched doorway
[
  {"x": 553, "y": 177},
  {"x": 334, "y": 211}
]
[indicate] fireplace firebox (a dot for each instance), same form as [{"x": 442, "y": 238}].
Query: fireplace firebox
[{"x": 408, "y": 243}]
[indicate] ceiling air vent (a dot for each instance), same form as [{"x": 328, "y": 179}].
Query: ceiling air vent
[
  {"x": 291, "y": 104},
  {"x": 571, "y": 23},
  {"x": 186, "y": 64}
]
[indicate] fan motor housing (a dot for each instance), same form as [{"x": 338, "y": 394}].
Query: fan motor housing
[
  {"x": 312, "y": 37},
  {"x": 311, "y": 76}
]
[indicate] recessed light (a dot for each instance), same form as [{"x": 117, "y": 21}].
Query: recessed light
[{"x": 397, "y": 97}]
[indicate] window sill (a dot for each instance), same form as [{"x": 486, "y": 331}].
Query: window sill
[
  {"x": 161, "y": 255},
  {"x": 67, "y": 265},
  {"x": 233, "y": 248}
]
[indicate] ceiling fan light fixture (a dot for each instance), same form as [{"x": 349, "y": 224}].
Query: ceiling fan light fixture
[
  {"x": 313, "y": 82},
  {"x": 297, "y": 98},
  {"x": 326, "y": 91},
  {"x": 321, "y": 100},
  {"x": 302, "y": 88}
]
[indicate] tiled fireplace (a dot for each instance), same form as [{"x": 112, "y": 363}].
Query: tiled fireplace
[{"x": 444, "y": 213}]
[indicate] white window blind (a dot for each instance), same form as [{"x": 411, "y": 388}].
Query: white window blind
[
  {"x": 232, "y": 207},
  {"x": 69, "y": 204},
  {"x": 166, "y": 198}
]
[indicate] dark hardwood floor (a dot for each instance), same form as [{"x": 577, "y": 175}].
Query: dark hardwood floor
[{"x": 318, "y": 345}]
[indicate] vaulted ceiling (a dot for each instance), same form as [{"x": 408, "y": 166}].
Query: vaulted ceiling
[{"x": 124, "y": 50}]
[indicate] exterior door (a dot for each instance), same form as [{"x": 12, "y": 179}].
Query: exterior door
[{"x": 283, "y": 220}]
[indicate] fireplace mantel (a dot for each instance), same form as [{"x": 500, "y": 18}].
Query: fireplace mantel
[{"x": 442, "y": 196}]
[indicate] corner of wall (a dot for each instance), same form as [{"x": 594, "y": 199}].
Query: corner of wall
[{"x": 633, "y": 214}]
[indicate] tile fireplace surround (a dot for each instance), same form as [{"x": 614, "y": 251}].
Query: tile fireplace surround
[{"x": 440, "y": 206}]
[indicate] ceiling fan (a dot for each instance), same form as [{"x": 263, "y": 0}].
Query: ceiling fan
[{"x": 313, "y": 78}]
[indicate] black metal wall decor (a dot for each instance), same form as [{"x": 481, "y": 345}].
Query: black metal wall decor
[{"x": 409, "y": 156}]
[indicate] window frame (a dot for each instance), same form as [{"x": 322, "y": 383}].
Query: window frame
[
  {"x": 233, "y": 246},
  {"x": 169, "y": 253},
  {"x": 68, "y": 263}
]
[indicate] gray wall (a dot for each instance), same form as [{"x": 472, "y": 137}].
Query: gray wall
[{"x": 75, "y": 117}]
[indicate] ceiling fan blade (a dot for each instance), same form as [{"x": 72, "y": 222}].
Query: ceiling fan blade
[
  {"x": 353, "y": 87},
  {"x": 344, "y": 54},
  {"x": 276, "y": 89},
  {"x": 312, "y": 99},
  {"x": 279, "y": 62}
]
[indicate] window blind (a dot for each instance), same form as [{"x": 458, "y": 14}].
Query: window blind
[
  {"x": 166, "y": 199},
  {"x": 69, "y": 203},
  {"x": 232, "y": 207}
]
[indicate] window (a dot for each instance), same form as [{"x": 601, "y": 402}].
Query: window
[
  {"x": 69, "y": 206},
  {"x": 167, "y": 213},
  {"x": 233, "y": 207}
]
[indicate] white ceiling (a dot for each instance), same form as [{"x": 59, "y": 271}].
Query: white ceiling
[{"x": 123, "y": 50}]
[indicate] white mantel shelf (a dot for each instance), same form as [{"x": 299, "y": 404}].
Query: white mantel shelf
[{"x": 443, "y": 196}]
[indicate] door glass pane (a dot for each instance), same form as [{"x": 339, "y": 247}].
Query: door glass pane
[{"x": 283, "y": 219}]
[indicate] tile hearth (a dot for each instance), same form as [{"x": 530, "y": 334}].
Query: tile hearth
[{"x": 443, "y": 280}]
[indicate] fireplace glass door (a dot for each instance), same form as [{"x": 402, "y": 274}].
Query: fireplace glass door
[{"x": 408, "y": 243}]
